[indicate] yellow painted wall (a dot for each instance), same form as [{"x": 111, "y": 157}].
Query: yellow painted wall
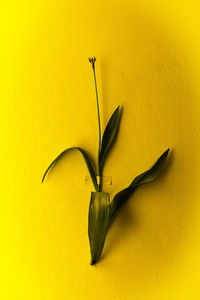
[{"x": 148, "y": 61}]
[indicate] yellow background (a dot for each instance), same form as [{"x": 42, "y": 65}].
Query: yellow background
[{"x": 148, "y": 61}]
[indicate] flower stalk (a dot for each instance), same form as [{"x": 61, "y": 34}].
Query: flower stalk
[{"x": 92, "y": 61}]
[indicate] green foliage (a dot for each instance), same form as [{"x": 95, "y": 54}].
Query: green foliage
[
  {"x": 86, "y": 159},
  {"x": 109, "y": 135},
  {"x": 101, "y": 211},
  {"x": 143, "y": 178},
  {"x": 98, "y": 223}
]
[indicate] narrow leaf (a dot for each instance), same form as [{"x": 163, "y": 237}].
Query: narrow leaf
[
  {"x": 109, "y": 134},
  {"x": 145, "y": 177},
  {"x": 87, "y": 161},
  {"x": 98, "y": 223}
]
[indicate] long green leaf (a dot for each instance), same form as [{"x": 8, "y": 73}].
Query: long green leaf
[
  {"x": 145, "y": 177},
  {"x": 98, "y": 223},
  {"x": 109, "y": 135},
  {"x": 87, "y": 161}
]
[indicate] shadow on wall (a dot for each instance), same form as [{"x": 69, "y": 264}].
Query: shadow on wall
[{"x": 156, "y": 86}]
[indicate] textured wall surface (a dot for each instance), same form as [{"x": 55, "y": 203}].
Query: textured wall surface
[{"x": 148, "y": 61}]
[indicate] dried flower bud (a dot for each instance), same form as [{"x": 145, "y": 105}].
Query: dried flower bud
[{"x": 92, "y": 60}]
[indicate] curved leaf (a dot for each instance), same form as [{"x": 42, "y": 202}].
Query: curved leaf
[
  {"x": 109, "y": 135},
  {"x": 87, "y": 161},
  {"x": 145, "y": 177},
  {"x": 98, "y": 223}
]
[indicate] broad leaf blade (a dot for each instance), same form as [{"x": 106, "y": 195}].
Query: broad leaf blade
[
  {"x": 85, "y": 157},
  {"x": 109, "y": 134},
  {"x": 143, "y": 178},
  {"x": 98, "y": 223}
]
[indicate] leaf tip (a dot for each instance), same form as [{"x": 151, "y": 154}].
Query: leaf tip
[
  {"x": 93, "y": 262},
  {"x": 167, "y": 151},
  {"x": 118, "y": 108},
  {"x": 43, "y": 177}
]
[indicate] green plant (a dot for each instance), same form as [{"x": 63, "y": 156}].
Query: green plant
[{"x": 101, "y": 210}]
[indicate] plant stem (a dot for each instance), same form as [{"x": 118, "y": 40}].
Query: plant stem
[{"x": 99, "y": 125}]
